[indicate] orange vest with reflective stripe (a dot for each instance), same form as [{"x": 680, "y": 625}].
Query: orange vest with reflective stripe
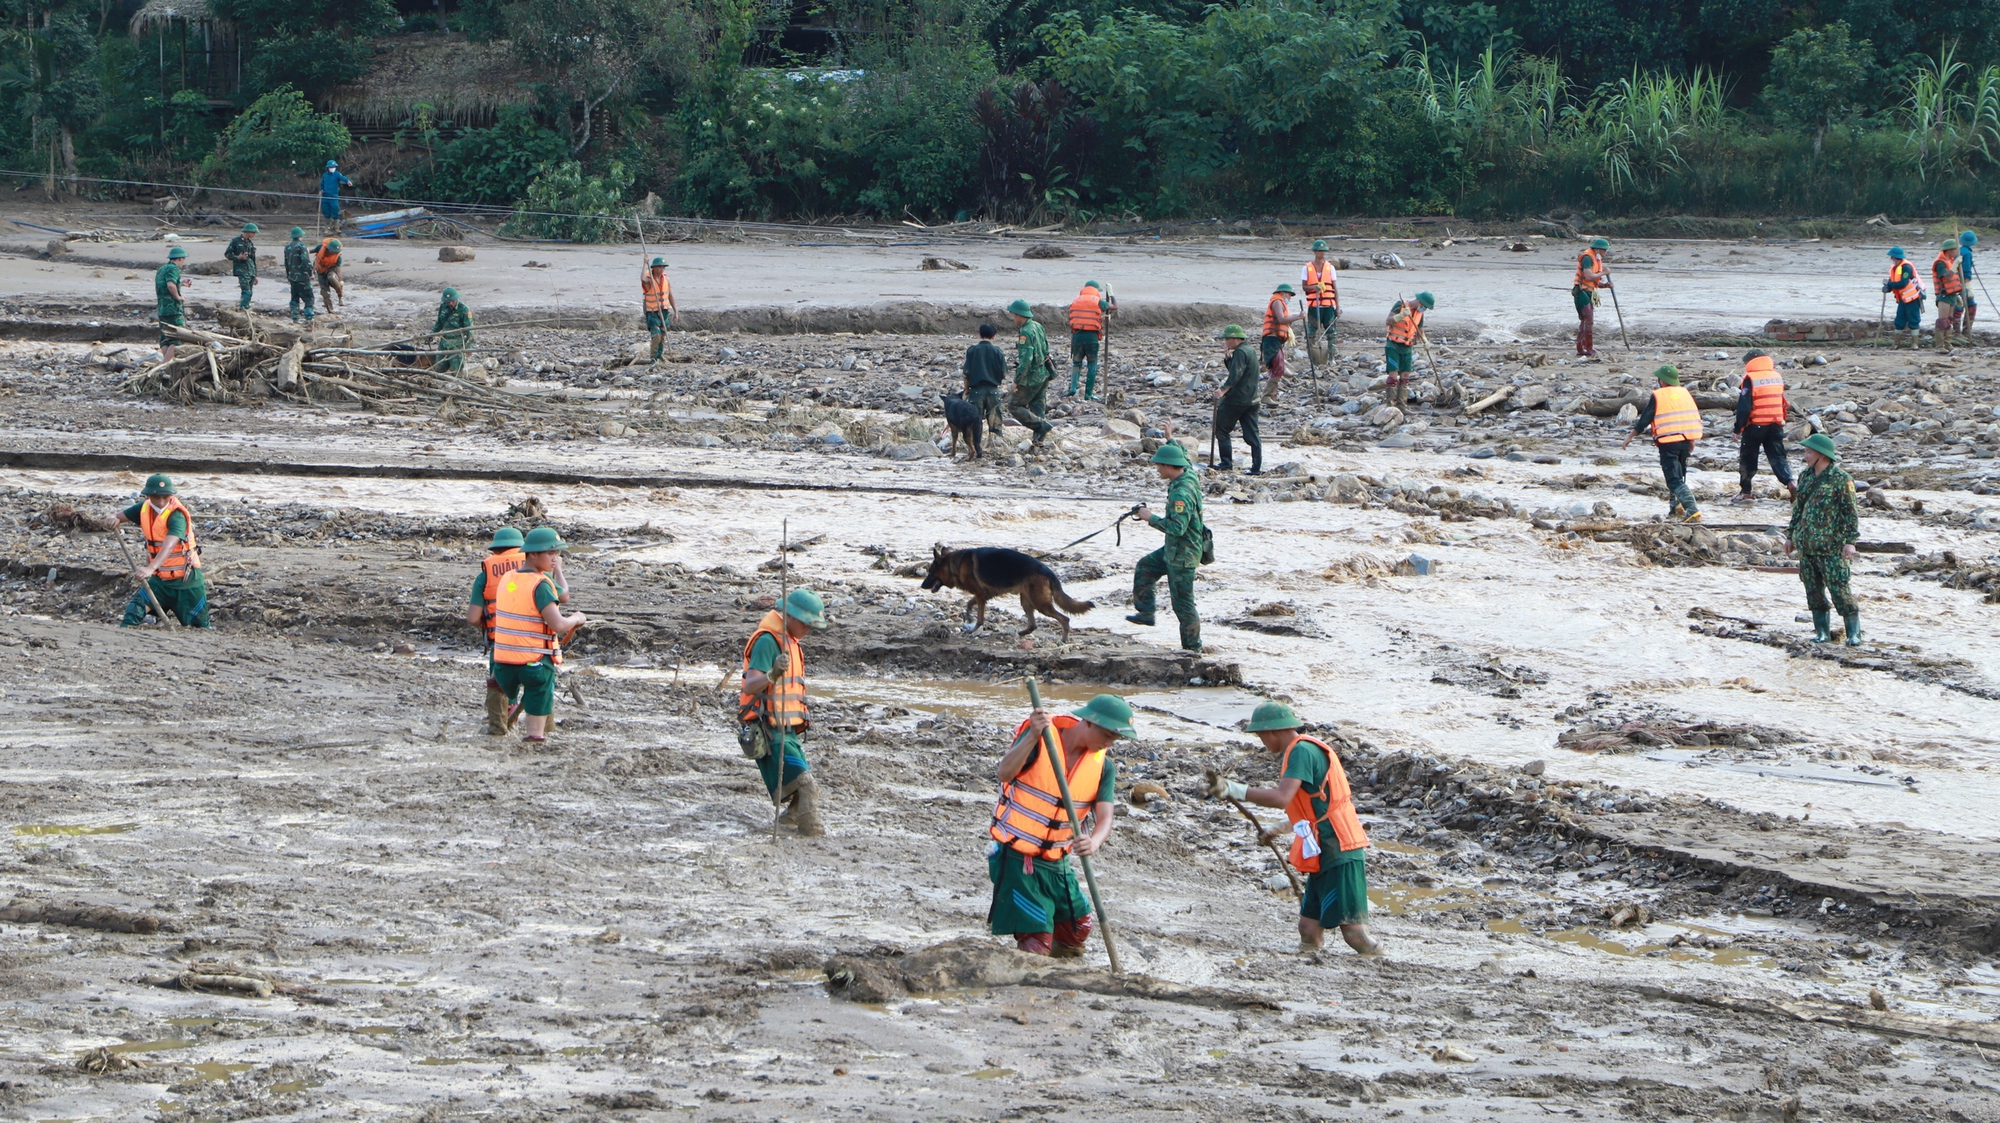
[
  {"x": 1945, "y": 271},
  {"x": 1084, "y": 313},
  {"x": 153, "y": 526},
  {"x": 1339, "y": 799},
  {"x": 496, "y": 565},
  {"x": 326, "y": 260},
  {"x": 1767, "y": 391},
  {"x": 1320, "y": 289},
  {"x": 1404, "y": 331},
  {"x": 1587, "y": 264},
  {"x": 1905, "y": 291},
  {"x": 1278, "y": 315},
  {"x": 1029, "y": 817},
  {"x": 785, "y": 704},
  {"x": 657, "y": 289},
  {"x": 520, "y": 635},
  {"x": 1675, "y": 416}
]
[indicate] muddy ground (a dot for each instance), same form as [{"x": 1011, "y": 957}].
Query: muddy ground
[{"x": 1641, "y": 852}]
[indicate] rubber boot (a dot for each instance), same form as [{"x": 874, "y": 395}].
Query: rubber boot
[
  {"x": 1142, "y": 619},
  {"x": 1822, "y": 625},
  {"x": 496, "y": 711},
  {"x": 1075, "y": 372},
  {"x": 806, "y": 814},
  {"x": 1853, "y": 622},
  {"x": 1090, "y": 383},
  {"x": 659, "y": 343}
]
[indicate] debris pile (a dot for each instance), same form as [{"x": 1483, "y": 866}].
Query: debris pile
[{"x": 1952, "y": 572}]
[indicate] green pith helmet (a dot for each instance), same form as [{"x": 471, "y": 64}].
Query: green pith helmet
[
  {"x": 1319, "y": 245},
  {"x": 176, "y": 254},
  {"x": 1600, "y": 243},
  {"x": 1022, "y": 308},
  {"x": 1427, "y": 300},
  {"x": 541, "y": 540},
  {"x": 659, "y": 263},
  {"x": 1098, "y": 285},
  {"x": 1285, "y": 288},
  {"x": 1668, "y": 375},
  {"x": 1108, "y": 711},
  {"x": 506, "y": 538},
  {"x": 1272, "y": 715},
  {"x": 1896, "y": 252},
  {"x": 298, "y": 232},
  {"x": 805, "y": 606},
  {"x": 1822, "y": 444},
  {"x": 1235, "y": 331},
  {"x": 450, "y": 293},
  {"x": 1173, "y": 454},
  {"x": 1950, "y": 246},
  {"x": 249, "y": 228},
  {"x": 158, "y": 484},
  {"x": 333, "y": 244}
]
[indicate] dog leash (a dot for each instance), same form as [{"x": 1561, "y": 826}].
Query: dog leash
[{"x": 1116, "y": 525}]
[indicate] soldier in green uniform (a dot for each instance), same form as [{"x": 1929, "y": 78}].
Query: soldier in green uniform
[
  {"x": 1824, "y": 528},
  {"x": 772, "y": 705},
  {"x": 1187, "y": 539},
  {"x": 170, "y": 306},
  {"x": 299, "y": 274},
  {"x": 184, "y": 592},
  {"x": 242, "y": 255},
  {"x": 1236, "y": 401},
  {"x": 452, "y": 333},
  {"x": 1031, "y": 372}
]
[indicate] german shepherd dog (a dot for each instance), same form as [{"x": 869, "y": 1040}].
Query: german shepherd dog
[
  {"x": 993, "y": 571},
  {"x": 964, "y": 419}
]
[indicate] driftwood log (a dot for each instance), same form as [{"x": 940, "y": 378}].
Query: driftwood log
[{"x": 102, "y": 919}]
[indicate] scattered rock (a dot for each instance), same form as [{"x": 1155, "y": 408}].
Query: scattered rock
[
  {"x": 1044, "y": 252},
  {"x": 944, "y": 263},
  {"x": 456, "y": 253},
  {"x": 911, "y": 450}
]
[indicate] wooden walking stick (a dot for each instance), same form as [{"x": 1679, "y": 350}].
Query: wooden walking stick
[
  {"x": 1059, "y": 766},
  {"x": 144, "y": 583},
  {"x": 1615, "y": 308},
  {"x": 1880, "y": 312},
  {"x": 1284, "y": 859},
  {"x": 777, "y": 734},
  {"x": 1437, "y": 380}
]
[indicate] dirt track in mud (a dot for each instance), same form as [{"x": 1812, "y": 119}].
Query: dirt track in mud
[{"x": 1680, "y": 913}]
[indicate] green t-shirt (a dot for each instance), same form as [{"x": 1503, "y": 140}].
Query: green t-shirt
[
  {"x": 1107, "y": 788},
  {"x": 764, "y": 653},
  {"x": 168, "y": 274},
  {"x": 1308, "y": 766}
]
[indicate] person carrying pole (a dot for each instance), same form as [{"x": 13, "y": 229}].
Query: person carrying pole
[
  {"x": 1405, "y": 323},
  {"x": 1278, "y": 321},
  {"x": 1036, "y": 898},
  {"x": 242, "y": 256},
  {"x": 660, "y": 307},
  {"x": 528, "y": 630},
  {"x": 299, "y": 274},
  {"x": 985, "y": 373},
  {"x": 1824, "y": 527},
  {"x": 1087, "y": 314},
  {"x": 330, "y": 183},
  {"x": 1032, "y": 373},
  {"x": 1316, "y": 281},
  {"x": 1902, "y": 284},
  {"x": 169, "y": 306},
  {"x": 1187, "y": 547},
  {"x": 1675, "y": 422},
  {"x": 1328, "y": 844},
  {"x": 326, "y": 264},
  {"x": 1591, "y": 276},
  {"x": 772, "y": 712},
  {"x": 171, "y": 580},
  {"x": 1950, "y": 292},
  {"x": 1236, "y": 401},
  {"x": 1966, "y": 241},
  {"x": 452, "y": 332},
  {"x": 1760, "y": 422}
]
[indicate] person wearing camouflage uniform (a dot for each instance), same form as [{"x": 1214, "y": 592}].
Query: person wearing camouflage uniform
[
  {"x": 1032, "y": 373},
  {"x": 1176, "y": 560},
  {"x": 452, "y": 332},
  {"x": 299, "y": 274},
  {"x": 242, "y": 255},
  {"x": 1824, "y": 527}
]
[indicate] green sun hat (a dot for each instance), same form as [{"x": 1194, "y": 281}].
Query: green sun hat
[
  {"x": 1173, "y": 454},
  {"x": 158, "y": 484},
  {"x": 1668, "y": 375},
  {"x": 249, "y": 228},
  {"x": 1108, "y": 711},
  {"x": 1319, "y": 245},
  {"x": 1427, "y": 300},
  {"x": 506, "y": 538},
  {"x": 1272, "y": 715},
  {"x": 1896, "y": 252},
  {"x": 805, "y": 606},
  {"x": 176, "y": 254},
  {"x": 1822, "y": 444},
  {"x": 1235, "y": 331},
  {"x": 298, "y": 232},
  {"x": 1286, "y": 289},
  {"x": 659, "y": 263},
  {"x": 1600, "y": 243},
  {"x": 541, "y": 540},
  {"x": 450, "y": 293},
  {"x": 1022, "y": 308}
]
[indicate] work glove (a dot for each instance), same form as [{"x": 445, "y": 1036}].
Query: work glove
[{"x": 1220, "y": 788}]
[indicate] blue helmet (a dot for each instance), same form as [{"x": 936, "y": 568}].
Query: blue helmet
[
  {"x": 1896, "y": 252},
  {"x": 1968, "y": 238}
]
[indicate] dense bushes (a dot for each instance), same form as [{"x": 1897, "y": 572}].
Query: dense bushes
[
  {"x": 279, "y": 133},
  {"x": 493, "y": 165}
]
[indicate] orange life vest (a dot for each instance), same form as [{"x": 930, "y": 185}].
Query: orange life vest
[
  {"x": 1675, "y": 416},
  {"x": 520, "y": 635},
  {"x": 1084, "y": 313},
  {"x": 498, "y": 564},
  {"x": 1945, "y": 271},
  {"x": 153, "y": 526},
  {"x": 1405, "y": 331},
  {"x": 1339, "y": 799},
  {"x": 1029, "y": 817},
  {"x": 1767, "y": 391},
  {"x": 326, "y": 260},
  {"x": 657, "y": 289},
  {"x": 1321, "y": 292},
  {"x": 1589, "y": 263},
  {"x": 1278, "y": 315},
  {"x": 1906, "y": 291},
  {"x": 785, "y": 704}
]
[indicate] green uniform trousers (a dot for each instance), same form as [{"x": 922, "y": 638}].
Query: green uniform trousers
[
  {"x": 795, "y": 763},
  {"x": 302, "y": 300},
  {"x": 1825, "y": 576},
  {"x": 986, "y": 399},
  {"x": 248, "y": 285},
  {"x": 1031, "y": 409},
  {"x": 178, "y": 319},
  {"x": 187, "y": 599},
  {"x": 1083, "y": 355},
  {"x": 1031, "y": 895},
  {"x": 1180, "y": 590},
  {"x": 531, "y": 684},
  {"x": 1321, "y": 322},
  {"x": 1337, "y": 893}
]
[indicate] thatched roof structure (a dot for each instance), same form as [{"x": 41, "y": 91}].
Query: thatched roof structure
[
  {"x": 461, "y": 81},
  {"x": 157, "y": 15}
]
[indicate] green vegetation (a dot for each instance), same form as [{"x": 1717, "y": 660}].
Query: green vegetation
[{"x": 1035, "y": 111}]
